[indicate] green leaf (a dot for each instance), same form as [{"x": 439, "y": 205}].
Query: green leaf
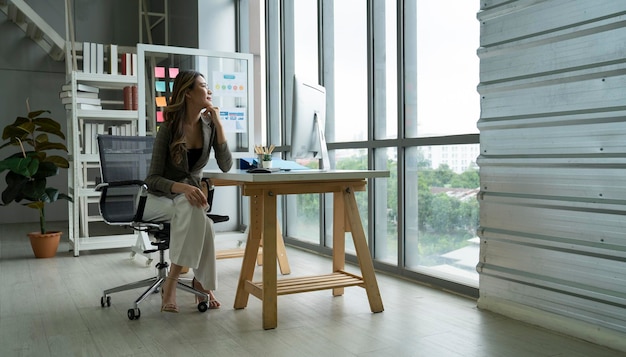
[
  {"x": 15, "y": 183},
  {"x": 46, "y": 169},
  {"x": 33, "y": 190},
  {"x": 36, "y": 113},
  {"x": 51, "y": 146},
  {"x": 52, "y": 194},
  {"x": 65, "y": 197},
  {"x": 36, "y": 205},
  {"x": 58, "y": 161},
  {"x": 24, "y": 166},
  {"x": 49, "y": 126},
  {"x": 11, "y": 132},
  {"x": 48, "y": 123}
]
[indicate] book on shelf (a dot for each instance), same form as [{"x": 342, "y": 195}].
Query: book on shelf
[
  {"x": 86, "y": 57},
  {"x": 130, "y": 94},
  {"x": 133, "y": 67},
  {"x": 85, "y": 106},
  {"x": 68, "y": 100},
  {"x": 113, "y": 59},
  {"x": 87, "y": 135},
  {"x": 99, "y": 130},
  {"x": 126, "y": 66},
  {"x": 94, "y": 56},
  {"x": 99, "y": 58},
  {"x": 81, "y": 88},
  {"x": 128, "y": 98},
  {"x": 134, "y": 98},
  {"x": 79, "y": 94}
]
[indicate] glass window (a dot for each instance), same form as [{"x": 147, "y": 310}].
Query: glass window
[
  {"x": 447, "y": 68},
  {"x": 441, "y": 229},
  {"x": 353, "y": 159},
  {"x": 386, "y": 207},
  {"x": 390, "y": 68},
  {"x": 303, "y": 217},
  {"x": 305, "y": 35},
  {"x": 350, "y": 68},
  {"x": 424, "y": 216},
  {"x": 303, "y": 211}
]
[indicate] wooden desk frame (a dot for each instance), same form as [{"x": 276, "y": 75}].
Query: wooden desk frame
[{"x": 264, "y": 224}]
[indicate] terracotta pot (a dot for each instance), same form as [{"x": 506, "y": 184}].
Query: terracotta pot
[{"x": 45, "y": 245}]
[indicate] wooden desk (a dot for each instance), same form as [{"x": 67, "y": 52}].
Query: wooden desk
[{"x": 263, "y": 190}]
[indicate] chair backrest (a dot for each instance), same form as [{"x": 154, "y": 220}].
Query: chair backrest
[{"x": 122, "y": 158}]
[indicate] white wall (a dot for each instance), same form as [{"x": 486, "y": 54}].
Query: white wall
[
  {"x": 553, "y": 165},
  {"x": 28, "y": 72}
]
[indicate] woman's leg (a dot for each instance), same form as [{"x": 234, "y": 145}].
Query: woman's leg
[
  {"x": 168, "y": 290},
  {"x": 206, "y": 272},
  {"x": 162, "y": 209}
]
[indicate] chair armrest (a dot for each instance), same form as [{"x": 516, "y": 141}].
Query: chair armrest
[{"x": 101, "y": 186}]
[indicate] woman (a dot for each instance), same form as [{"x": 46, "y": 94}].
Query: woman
[{"x": 181, "y": 149}]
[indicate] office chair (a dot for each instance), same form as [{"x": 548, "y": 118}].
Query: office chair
[{"x": 124, "y": 163}]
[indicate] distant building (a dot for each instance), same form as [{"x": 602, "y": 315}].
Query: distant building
[{"x": 458, "y": 157}]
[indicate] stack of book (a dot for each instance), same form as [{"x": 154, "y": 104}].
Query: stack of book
[{"x": 87, "y": 97}]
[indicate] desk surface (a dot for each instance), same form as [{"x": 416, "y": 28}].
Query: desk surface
[{"x": 295, "y": 175}]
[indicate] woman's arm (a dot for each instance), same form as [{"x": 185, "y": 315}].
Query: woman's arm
[
  {"x": 214, "y": 117},
  {"x": 156, "y": 179},
  {"x": 220, "y": 146}
]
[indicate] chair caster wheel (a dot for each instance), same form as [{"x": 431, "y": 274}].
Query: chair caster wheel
[
  {"x": 203, "y": 306},
  {"x": 105, "y": 301},
  {"x": 134, "y": 314}
]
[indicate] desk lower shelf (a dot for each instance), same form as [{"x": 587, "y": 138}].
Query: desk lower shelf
[{"x": 340, "y": 279}]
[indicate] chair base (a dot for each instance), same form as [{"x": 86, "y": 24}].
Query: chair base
[{"x": 154, "y": 284}]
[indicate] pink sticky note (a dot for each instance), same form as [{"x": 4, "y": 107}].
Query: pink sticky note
[
  {"x": 159, "y": 117},
  {"x": 173, "y": 72},
  {"x": 159, "y": 72}
]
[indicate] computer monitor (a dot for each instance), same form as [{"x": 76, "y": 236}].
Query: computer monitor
[{"x": 308, "y": 123}]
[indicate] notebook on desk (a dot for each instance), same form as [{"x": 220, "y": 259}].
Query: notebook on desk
[{"x": 262, "y": 170}]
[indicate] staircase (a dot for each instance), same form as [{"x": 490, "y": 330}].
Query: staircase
[{"x": 34, "y": 27}]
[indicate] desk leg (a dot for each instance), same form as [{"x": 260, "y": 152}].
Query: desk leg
[
  {"x": 270, "y": 301},
  {"x": 283, "y": 262},
  {"x": 251, "y": 251},
  {"x": 339, "y": 237},
  {"x": 362, "y": 252}
]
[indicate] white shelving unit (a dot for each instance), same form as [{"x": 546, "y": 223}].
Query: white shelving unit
[{"x": 84, "y": 165}]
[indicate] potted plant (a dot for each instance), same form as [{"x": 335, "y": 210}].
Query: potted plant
[{"x": 29, "y": 168}]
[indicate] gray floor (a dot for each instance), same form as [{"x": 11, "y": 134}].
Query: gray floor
[{"x": 51, "y": 307}]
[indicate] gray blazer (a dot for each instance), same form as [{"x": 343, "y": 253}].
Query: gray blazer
[{"x": 164, "y": 172}]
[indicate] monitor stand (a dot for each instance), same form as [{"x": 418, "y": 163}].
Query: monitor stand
[{"x": 324, "y": 160}]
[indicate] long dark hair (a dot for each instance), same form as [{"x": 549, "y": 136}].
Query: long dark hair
[{"x": 174, "y": 112}]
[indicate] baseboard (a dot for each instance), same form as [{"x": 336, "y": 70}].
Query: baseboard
[{"x": 580, "y": 329}]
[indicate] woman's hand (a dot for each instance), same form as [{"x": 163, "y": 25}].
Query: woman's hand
[
  {"x": 213, "y": 114},
  {"x": 195, "y": 196}
]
